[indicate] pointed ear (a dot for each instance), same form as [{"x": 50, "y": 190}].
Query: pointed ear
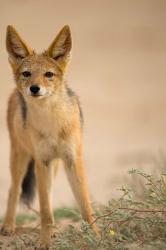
[
  {"x": 60, "y": 48},
  {"x": 16, "y": 47}
]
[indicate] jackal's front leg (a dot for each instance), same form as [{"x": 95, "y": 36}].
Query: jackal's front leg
[
  {"x": 44, "y": 175},
  {"x": 77, "y": 178},
  {"x": 18, "y": 166}
]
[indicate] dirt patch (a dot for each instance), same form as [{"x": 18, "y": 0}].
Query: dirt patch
[
  {"x": 23, "y": 238},
  {"x": 27, "y": 237}
]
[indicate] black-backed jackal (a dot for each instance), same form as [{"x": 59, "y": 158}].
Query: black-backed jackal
[{"x": 45, "y": 125}]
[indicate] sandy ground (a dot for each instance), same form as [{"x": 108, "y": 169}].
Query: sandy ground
[
  {"x": 117, "y": 69},
  {"x": 28, "y": 237}
]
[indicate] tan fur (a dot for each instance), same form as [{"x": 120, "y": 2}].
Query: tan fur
[{"x": 50, "y": 131}]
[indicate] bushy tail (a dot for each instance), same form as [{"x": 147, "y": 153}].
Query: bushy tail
[{"x": 29, "y": 184}]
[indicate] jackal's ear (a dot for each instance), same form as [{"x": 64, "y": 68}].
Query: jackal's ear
[
  {"x": 60, "y": 48},
  {"x": 16, "y": 47}
]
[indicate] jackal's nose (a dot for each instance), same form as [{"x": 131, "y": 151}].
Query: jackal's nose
[{"x": 34, "y": 89}]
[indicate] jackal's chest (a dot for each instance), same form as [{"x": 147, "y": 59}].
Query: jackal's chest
[
  {"x": 46, "y": 139},
  {"x": 47, "y": 148}
]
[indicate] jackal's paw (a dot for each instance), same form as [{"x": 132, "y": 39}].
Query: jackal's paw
[
  {"x": 54, "y": 234},
  {"x": 96, "y": 229},
  {"x": 6, "y": 230},
  {"x": 42, "y": 247}
]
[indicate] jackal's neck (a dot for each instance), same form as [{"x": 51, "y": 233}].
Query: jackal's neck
[{"x": 53, "y": 109}]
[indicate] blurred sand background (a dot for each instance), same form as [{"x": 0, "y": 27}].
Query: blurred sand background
[{"x": 118, "y": 69}]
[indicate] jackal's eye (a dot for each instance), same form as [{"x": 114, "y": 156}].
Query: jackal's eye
[
  {"x": 26, "y": 73},
  {"x": 49, "y": 74}
]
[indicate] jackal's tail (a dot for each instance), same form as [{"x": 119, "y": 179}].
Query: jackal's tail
[{"x": 29, "y": 184}]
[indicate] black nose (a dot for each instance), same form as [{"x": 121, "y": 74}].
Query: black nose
[{"x": 34, "y": 89}]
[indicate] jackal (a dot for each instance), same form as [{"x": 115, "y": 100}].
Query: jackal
[{"x": 45, "y": 125}]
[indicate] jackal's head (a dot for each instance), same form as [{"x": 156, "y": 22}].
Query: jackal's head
[{"x": 39, "y": 75}]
